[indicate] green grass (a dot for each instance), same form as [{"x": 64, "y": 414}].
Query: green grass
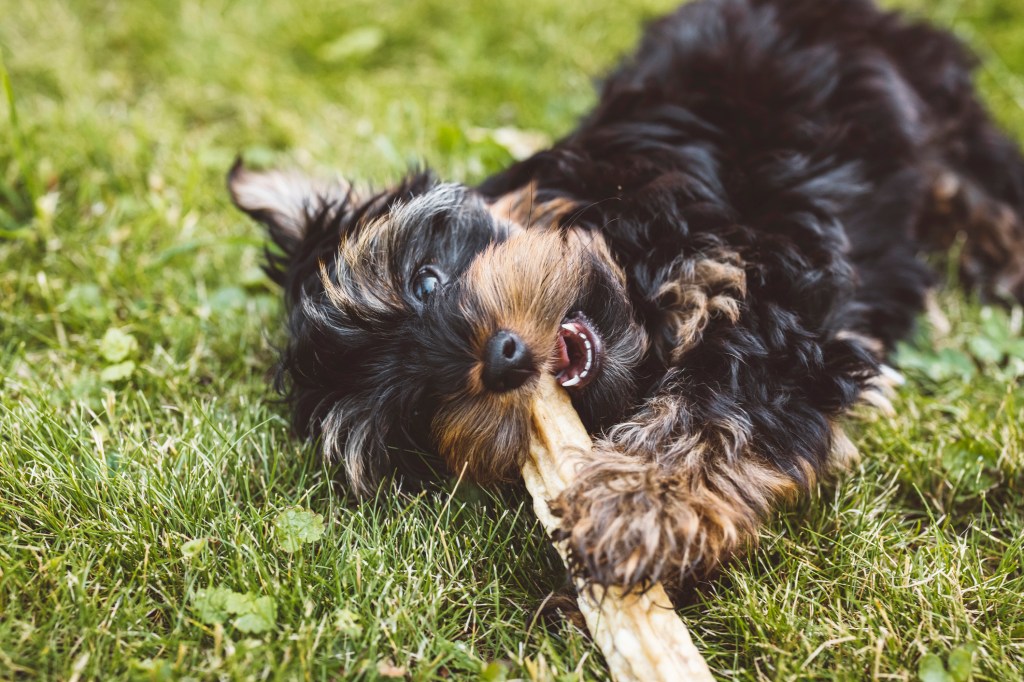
[{"x": 116, "y": 457}]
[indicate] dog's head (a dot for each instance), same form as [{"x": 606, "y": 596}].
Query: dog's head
[{"x": 420, "y": 317}]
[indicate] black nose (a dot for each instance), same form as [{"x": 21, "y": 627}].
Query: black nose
[{"x": 508, "y": 362}]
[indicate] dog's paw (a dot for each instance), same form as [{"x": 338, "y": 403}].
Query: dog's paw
[
  {"x": 628, "y": 524},
  {"x": 992, "y": 253}
]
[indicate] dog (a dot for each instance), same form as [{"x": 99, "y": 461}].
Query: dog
[{"x": 714, "y": 264}]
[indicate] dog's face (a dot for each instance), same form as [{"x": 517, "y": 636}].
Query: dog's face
[{"x": 419, "y": 319}]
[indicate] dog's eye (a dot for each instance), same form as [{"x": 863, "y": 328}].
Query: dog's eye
[{"x": 427, "y": 280}]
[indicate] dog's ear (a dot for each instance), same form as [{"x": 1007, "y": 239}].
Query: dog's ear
[{"x": 285, "y": 200}]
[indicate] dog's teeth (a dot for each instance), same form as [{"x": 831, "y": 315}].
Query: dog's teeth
[{"x": 585, "y": 350}]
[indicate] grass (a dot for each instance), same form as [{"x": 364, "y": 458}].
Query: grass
[{"x": 145, "y": 467}]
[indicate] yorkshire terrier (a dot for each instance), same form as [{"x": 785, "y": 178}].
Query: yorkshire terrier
[{"x": 714, "y": 264}]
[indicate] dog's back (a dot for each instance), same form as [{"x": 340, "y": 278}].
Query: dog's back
[{"x": 758, "y": 112}]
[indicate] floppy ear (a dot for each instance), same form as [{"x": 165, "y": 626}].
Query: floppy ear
[{"x": 285, "y": 200}]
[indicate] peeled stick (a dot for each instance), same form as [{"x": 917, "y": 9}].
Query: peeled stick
[{"x": 640, "y": 635}]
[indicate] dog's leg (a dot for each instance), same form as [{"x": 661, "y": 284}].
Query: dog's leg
[
  {"x": 990, "y": 232},
  {"x": 657, "y": 502},
  {"x": 976, "y": 171},
  {"x": 976, "y": 193}
]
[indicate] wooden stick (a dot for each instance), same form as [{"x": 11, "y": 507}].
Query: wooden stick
[{"x": 640, "y": 635}]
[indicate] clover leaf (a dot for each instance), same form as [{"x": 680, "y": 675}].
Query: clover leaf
[
  {"x": 296, "y": 527},
  {"x": 117, "y": 346},
  {"x": 347, "y": 622},
  {"x": 211, "y": 605},
  {"x": 193, "y": 548},
  {"x": 117, "y": 372},
  {"x": 253, "y": 614}
]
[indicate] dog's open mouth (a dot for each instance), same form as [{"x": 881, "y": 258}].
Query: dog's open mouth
[{"x": 578, "y": 353}]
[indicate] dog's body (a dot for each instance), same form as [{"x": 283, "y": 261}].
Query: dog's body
[{"x": 714, "y": 263}]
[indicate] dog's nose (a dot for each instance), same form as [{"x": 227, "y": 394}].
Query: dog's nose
[{"x": 508, "y": 362}]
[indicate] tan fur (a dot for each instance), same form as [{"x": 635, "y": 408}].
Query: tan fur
[
  {"x": 701, "y": 289},
  {"x": 595, "y": 243},
  {"x": 881, "y": 389},
  {"x": 844, "y": 453},
  {"x": 629, "y": 521},
  {"x": 364, "y": 256},
  {"x": 524, "y": 285},
  {"x": 522, "y": 210},
  {"x": 873, "y": 345}
]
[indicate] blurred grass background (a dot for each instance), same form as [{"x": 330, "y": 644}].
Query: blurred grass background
[{"x": 142, "y": 460}]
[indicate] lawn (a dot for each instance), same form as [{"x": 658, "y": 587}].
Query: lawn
[{"x": 158, "y": 521}]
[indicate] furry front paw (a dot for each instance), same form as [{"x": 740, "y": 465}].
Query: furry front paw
[{"x": 626, "y": 523}]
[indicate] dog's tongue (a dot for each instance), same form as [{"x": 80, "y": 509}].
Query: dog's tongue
[{"x": 562, "y": 362}]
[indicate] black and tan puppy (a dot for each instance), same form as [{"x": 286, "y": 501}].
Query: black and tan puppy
[{"x": 714, "y": 264}]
